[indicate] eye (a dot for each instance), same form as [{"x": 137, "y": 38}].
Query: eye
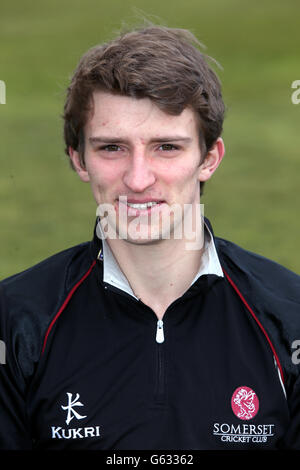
[
  {"x": 110, "y": 148},
  {"x": 168, "y": 147}
]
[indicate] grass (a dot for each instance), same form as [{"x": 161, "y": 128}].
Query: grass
[{"x": 253, "y": 198}]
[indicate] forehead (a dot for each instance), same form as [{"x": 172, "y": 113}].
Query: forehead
[{"x": 117, "y": 114}]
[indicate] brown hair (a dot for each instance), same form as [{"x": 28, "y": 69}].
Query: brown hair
[{"x": 157, "y": 62}]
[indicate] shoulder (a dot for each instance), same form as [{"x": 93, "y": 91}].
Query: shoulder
[
  {"x": 252, "y": 267},
  {"x": 29, "y": 299},
  {"x": 49, "y": 268},
  {"x": 44, "y": 282}
]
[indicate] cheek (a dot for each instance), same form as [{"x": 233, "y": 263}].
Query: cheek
[
  {"x": 181, "y": 176},
  {"x": 184, "y": 184},
  {"x": 103, "y": 175}
]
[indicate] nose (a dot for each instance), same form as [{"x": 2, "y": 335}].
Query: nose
[{"x": 139, "y": 175}]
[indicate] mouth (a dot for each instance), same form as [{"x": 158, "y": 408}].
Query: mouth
[
  {"x": 139, "y": 208},
  {"x": 142, "y": 205}
]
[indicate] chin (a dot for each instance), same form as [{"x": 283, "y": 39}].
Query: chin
[{"x": 142, "y": 241}]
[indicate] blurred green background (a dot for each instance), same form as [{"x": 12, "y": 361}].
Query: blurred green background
[{"x": 253, "y": 198}]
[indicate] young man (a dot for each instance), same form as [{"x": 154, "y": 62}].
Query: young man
[{"x": 156, "y": 334}]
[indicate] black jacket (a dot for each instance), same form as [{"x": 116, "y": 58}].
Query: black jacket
[{"x": 83, "y": 369}]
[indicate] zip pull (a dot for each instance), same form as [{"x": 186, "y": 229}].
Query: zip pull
[{"x": 160, "y": 332}]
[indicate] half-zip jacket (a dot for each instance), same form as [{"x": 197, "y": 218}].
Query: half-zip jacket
[{"x": 89, "y": 366}]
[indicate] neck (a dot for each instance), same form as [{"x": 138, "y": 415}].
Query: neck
[{"x": 158, "y": 272}]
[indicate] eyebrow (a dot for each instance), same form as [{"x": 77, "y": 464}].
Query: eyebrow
[{"x": 107, "y": 139}]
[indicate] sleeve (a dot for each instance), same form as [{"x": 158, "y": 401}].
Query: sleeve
[{"x": 14, "y": 426}]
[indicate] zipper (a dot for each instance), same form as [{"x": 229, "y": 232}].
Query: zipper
[
  {"x": 160, "y": 337},
  {"x": 160, "y": 379}
]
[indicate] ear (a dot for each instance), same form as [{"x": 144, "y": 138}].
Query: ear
[
  {"x": 78, "y": 165},
  {"x": 212, "y": 160}
]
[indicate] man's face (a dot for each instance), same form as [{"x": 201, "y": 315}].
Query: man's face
[{"x": 141, "y": 161}]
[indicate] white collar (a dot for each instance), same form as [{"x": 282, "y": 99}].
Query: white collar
[{"x": 113, "y": 275}]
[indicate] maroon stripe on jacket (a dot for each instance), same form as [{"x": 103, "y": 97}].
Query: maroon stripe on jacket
[
  {"x": 257, "y": 321},
  {"x": 65, "y": 303}
]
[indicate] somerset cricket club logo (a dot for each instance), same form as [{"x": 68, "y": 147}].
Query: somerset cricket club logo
[
  {"x": 244, "y": 403},
  {"x": 70, "y": 408}
]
